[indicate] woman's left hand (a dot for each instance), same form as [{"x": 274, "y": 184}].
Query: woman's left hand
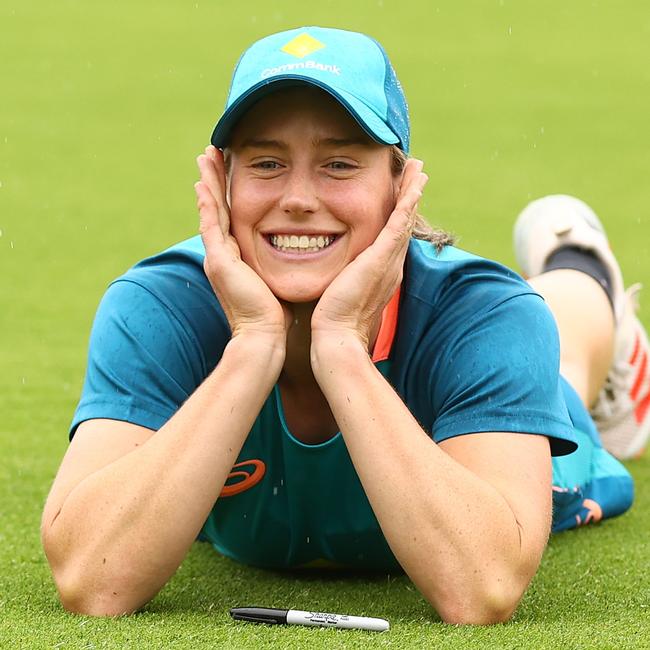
[{"x": 352, "y": 302}]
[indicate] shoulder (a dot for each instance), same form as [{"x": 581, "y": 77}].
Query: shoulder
[
  {"x": 453, "y": 284},
  {"x": 169, "y": 274},
  {"x": 477, "y": 348},
  {"x": 174, "y": 279},
  {"x": 158, "y": 331},
  {"x": 163, "y": 302}
]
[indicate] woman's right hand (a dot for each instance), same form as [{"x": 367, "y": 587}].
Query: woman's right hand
[{"x": 248, "y": 303}]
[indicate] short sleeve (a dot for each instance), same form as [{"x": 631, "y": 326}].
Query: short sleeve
[
  {"x": 145, "y": 358},
  {"x": 500, "y": 372}
]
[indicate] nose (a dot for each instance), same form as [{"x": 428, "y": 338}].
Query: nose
[{"x": 299, "y": 195}]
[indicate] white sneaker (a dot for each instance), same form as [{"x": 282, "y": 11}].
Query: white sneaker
[
  {"x": 622, "y": 411},
  {"x": 559, "y": 220}
]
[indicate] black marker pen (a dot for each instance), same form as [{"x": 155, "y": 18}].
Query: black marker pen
[{"x": 273, "y": 616}]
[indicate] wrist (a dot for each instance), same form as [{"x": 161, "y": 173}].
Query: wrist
[
  {"x": 267, "y": 350},
  {"x": 337, "y": 352}
]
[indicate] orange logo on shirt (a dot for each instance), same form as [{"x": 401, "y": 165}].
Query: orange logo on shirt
[
  {"x": 248, "y": 478},
  {"x": 594, "y": 513}
]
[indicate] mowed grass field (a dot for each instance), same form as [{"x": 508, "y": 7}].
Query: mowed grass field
[{"x": 103, "y": 108}]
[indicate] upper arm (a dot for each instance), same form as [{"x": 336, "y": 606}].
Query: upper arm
[
  {"x": 499, "y": 371},
  {"x": 157, "y": 333},
  {"x": 97, "y": 443},
  {"x": 518, "y": 467},
  {"x": 152, "y": 343}
]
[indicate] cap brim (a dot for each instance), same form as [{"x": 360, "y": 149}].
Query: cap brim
[{"x": 367, "y": 119}]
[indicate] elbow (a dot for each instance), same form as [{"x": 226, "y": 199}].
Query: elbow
[
  {"x": 489, "y": 606},
  {"x": 78, "y": 600},
  {"x": 483, "y": 613},
  {"x": 79, "y": 596},
  {"x": 80, "y": 593}
]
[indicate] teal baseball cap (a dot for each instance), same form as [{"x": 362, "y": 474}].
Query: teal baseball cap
[{"x": 352, "y": 67}]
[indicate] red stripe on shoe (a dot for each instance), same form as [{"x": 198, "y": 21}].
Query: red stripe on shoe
[
  {"x": 638, "y": 382},
  {"x": 641, "y": 409},
  {"x": 635, "y": 352}
]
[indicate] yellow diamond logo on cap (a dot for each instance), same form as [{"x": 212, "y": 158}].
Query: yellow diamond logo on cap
[{"x": 302, "y": 45}]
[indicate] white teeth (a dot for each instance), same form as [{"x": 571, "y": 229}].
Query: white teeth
[{"x": 300, "y": 244}]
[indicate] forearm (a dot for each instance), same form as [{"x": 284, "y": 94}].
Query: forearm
[
  {"x": 124, "y": 530},
  {"x": 452, "y": 532}
]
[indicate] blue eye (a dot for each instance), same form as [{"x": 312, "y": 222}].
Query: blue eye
[
  {"x": 340, "y": 165},
  {"x": 267, "y": 164}
]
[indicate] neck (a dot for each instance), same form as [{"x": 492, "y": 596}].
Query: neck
[{"x": 297, "y": 365}]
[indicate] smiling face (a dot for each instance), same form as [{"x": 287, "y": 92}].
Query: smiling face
[{"x": 309, "y": 190}]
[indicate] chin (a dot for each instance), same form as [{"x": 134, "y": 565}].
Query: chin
[{"x": 297, "y": 295}]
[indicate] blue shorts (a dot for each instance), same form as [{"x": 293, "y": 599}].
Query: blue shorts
[{"x": 589, "y": 484}]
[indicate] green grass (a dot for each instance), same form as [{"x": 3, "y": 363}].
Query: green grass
[{"x": 103, "y": 109}]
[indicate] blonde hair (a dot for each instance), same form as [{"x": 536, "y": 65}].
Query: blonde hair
[{"x": 421, "y": 230}]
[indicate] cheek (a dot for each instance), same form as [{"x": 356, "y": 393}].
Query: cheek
[
  {"x": 375, "y": 208},
  {"x": 242, "y": 220},
  {"x": 239, "y": 200},
  {"x": 247, "y": 207}
]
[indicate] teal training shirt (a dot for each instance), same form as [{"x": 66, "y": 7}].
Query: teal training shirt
[{"x": 475, "y": 350}]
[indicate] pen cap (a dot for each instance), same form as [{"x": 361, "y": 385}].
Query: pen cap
[{"x": 268, "y": 615}]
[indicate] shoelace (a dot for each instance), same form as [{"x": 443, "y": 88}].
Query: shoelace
[{"x": 613, "y": 400}]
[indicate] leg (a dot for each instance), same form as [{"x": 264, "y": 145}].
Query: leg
[
  {"x": 605, "y": 354},
  {"x": 585, "y": 323}
]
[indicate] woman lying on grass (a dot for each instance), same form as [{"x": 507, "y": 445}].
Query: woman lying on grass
[{"x": 320, "y": 378}]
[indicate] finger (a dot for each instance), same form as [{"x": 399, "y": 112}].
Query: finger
[
  {"x": 402, "y": 219},
  {"x": 213, "y": 176},
  {"x": 412, "y": 187},
  {"x": 412, "y": 168},
  {"x": 212, "y": 170},
  {"x": 392, "y": 242},
  {"x": 209, "y": 223},
  {"x": 413, "y": 196},
  {"x": 413, "y": 177}
]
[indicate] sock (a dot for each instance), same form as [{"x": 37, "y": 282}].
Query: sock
[{"x": 581, "y": 259}]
